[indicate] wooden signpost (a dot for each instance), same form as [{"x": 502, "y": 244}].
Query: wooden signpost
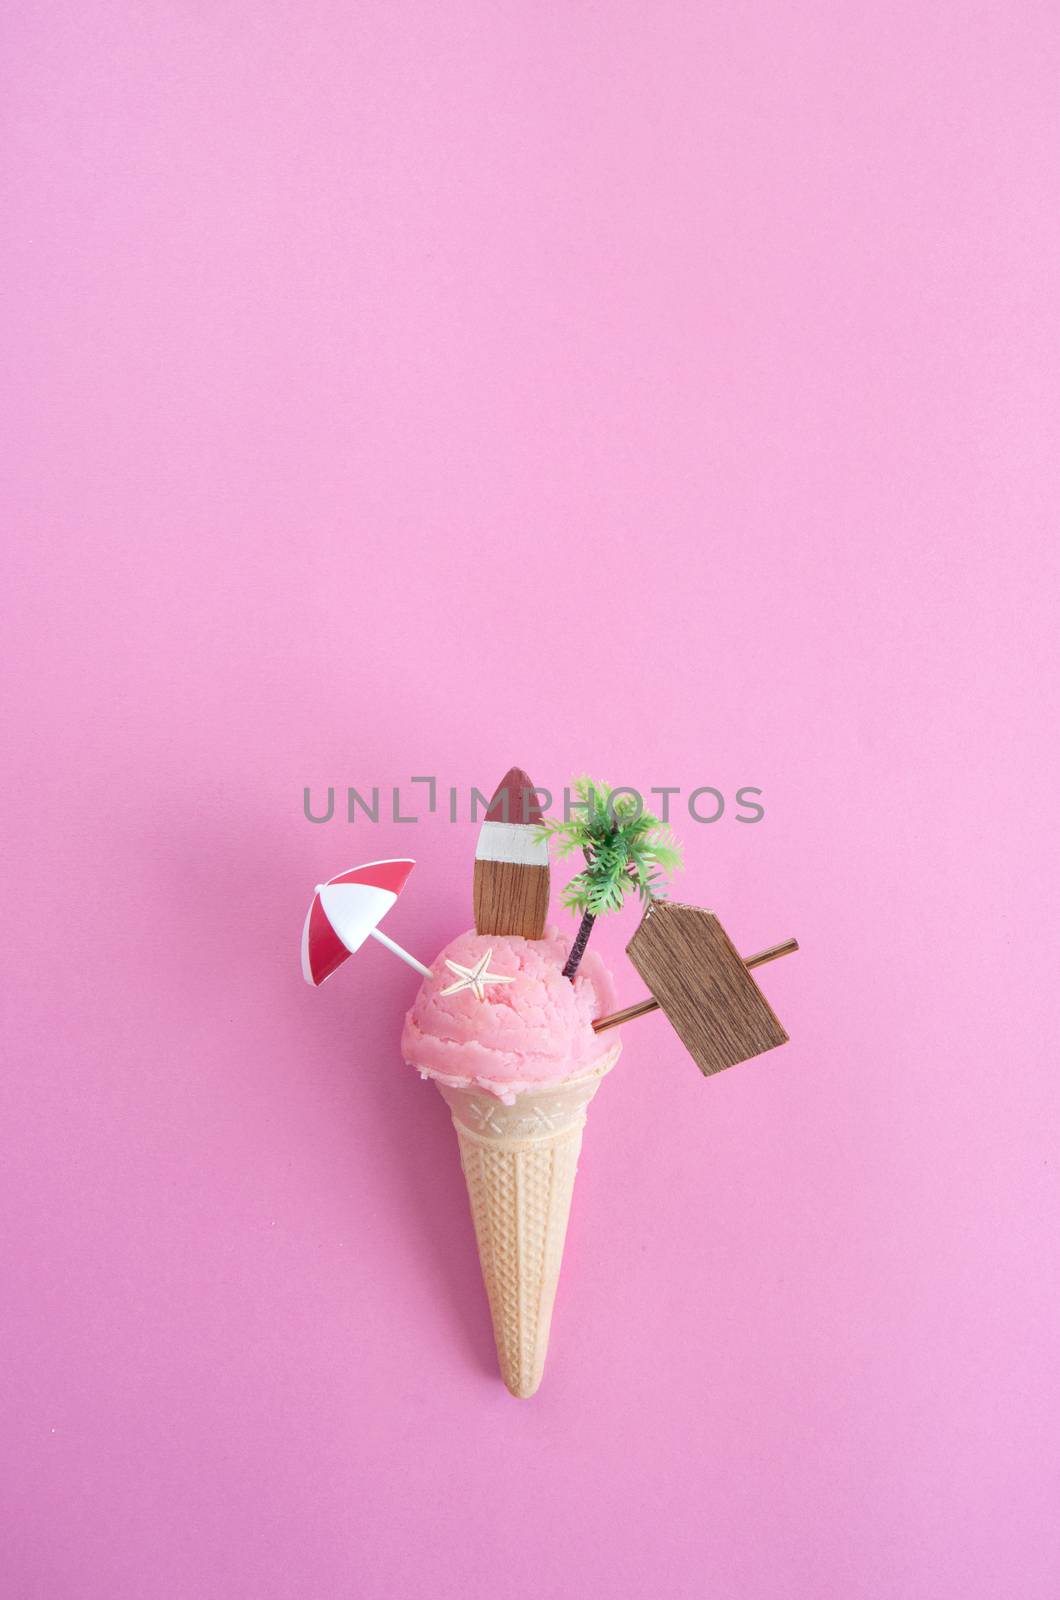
[{"x": 702, "y": 983}]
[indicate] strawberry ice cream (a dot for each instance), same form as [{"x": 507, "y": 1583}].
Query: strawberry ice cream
[{"x": 519, "y": 1025}]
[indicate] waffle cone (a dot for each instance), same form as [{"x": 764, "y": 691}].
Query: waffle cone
[{"x": 519, "y": 1164}]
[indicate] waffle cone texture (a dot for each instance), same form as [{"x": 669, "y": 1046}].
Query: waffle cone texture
[{"x": 519, "y": 1165}]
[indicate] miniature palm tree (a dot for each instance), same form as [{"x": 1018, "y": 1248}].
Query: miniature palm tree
[{"x": 626, "y": 849}]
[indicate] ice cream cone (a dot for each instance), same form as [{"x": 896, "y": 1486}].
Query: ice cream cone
[{"x": 519, "y": 1164}]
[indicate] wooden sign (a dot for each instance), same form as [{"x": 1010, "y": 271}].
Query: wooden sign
[
  {"x": 511, "y": 863},
  {"x": 703, "y": 984}
]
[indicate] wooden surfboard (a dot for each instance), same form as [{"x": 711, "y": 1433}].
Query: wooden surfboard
[{"x": 511, "y": 864}]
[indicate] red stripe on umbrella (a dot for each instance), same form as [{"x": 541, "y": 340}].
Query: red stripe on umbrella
[{"x": 389, "y": 875}]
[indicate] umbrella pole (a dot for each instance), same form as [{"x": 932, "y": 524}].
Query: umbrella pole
[{"x": 396, "y": 948}]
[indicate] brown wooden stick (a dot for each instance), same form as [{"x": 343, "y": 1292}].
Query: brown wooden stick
[
  {"x": 787, "y": 947},
  {"x": 642, "y": 1007}
]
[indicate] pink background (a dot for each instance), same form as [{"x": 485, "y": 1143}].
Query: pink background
[{"x": 664, "y": 390}]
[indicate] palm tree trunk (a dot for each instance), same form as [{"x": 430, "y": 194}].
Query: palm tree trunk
[{"x": 577, "y": 949}]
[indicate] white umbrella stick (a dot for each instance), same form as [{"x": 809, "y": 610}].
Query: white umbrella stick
[{"x": 392, "y": 945}]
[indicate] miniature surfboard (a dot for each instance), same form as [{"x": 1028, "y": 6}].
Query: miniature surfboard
[
  {"x": 511, "y": 863},
  {"x": 703, "y": 984}
]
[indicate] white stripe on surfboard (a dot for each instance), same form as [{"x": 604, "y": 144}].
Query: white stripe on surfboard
[{"x": 516, "y": 842}]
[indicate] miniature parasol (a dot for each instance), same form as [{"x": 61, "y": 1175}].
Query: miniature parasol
[{"x": 346, "y": 910}]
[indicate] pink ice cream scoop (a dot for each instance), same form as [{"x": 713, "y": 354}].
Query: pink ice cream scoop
[{"x": 519, "y": 1024}]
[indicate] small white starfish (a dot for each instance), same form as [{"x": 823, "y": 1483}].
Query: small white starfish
[{"x": 475, "y": 977}]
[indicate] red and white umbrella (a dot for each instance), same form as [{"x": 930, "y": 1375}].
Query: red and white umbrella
[{"x": 348, "y": 908}]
